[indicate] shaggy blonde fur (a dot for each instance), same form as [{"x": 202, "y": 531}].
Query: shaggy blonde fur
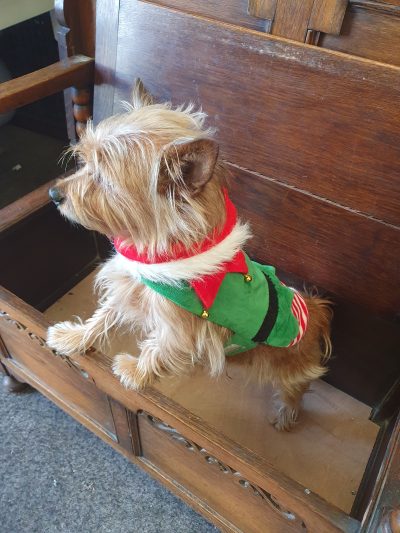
[{"x": 150, "y": 175}]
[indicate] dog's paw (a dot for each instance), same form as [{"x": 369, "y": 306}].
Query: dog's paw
[
  {"x": 67, "y": 338},
  {"x": 125, "y": 367},
  {"x": 286, "y": 418}
]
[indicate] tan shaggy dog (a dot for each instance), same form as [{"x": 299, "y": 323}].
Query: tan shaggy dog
[{"x": 151, "y": 177}]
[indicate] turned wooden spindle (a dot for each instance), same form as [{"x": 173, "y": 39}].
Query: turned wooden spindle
[{"x": 81, "y": 99}]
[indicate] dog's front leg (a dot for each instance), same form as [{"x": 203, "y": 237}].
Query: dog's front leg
[
  {"x": 71, "y": 337},
  {"x": 138, "y": 372},
  {"x": 156, "y": 359},
  {"x": 131, "y": 371}
]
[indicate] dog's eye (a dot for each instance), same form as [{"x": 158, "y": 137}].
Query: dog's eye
[{"x": 79, "y": 164}]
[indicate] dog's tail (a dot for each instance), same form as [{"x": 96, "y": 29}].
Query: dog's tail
[{"x": 323, "y": 317}]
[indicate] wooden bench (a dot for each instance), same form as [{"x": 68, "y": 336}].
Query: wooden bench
[{"x": 307, "y": 111}]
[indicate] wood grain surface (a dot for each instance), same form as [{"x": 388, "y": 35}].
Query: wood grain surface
[
  {"x": 327, "y": 16},
  {"x": 328, "y": 451},
  {"x": 324, "y": 244},
  {"x": 232, "y": 11},
  {"x": 374, "y": 34},
  {"x": 107, "y": 17},
  {"x": 291, "y": 19},
  {"x": 264, "y": 9},
  {"x": 314, "y": 119}
]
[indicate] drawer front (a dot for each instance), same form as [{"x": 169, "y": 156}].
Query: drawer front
[
  {"x": 216, "y": 484},
  {"x": 65, "y": 383}
]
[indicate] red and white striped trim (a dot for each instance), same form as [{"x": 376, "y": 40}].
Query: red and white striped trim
[{"x": 300, "y": 312}]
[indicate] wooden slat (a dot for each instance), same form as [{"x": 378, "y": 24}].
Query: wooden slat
[
  {"x": 76, "y": 24},
  {"x": 327, "y": 15},
  {"x": 264, "y": 9},
  {"x": 291, "y": 19},
  {"x": 350, "y": 255},
  {"x": 107, "y": 12},
  {"x": 231, "y": 11},
  {"x": 315, "y": 119},
  {"x": 390, "y": 7},
  {"x": 368, "y": 33},
  {"x": 74, "y": 71}
]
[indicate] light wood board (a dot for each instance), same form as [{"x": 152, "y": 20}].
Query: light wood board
[{"x": 327, "y": 452}]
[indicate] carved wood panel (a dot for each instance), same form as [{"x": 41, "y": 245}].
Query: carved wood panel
[
  {"x": 157, "y": 437},
  {"x": 59, "y": 375}
]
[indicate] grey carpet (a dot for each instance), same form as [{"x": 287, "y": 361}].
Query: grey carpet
[{"x": 57, "y": 476}]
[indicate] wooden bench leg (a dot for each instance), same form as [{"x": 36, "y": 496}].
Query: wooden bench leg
[{"x": 10, "y": 384}]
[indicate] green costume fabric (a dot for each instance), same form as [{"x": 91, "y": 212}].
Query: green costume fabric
[{"x": 258, "y": 311}]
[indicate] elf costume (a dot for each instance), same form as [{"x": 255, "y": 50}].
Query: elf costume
[{"x": 243, "y": 296}]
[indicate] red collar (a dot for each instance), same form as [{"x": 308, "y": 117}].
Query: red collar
[{"x": 207, "y": 287}]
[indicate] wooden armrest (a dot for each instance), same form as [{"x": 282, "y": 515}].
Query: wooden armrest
[{"x": 74, "y": 71}]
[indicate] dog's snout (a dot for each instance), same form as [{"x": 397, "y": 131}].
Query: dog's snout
[{"x": 56, "y": 195}]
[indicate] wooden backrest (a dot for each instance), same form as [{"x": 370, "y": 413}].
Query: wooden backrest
[{"x": 311, "y": 137}]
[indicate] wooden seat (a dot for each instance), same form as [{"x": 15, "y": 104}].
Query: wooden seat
[
  {"x": 327, "y": 453},
  {"x": 308, "y": 124}
]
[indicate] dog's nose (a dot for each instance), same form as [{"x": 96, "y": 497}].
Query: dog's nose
[{"x": 55, "y": 195}]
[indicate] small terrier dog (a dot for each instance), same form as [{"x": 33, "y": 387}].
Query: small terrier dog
[{"x": 150, "y": 179}]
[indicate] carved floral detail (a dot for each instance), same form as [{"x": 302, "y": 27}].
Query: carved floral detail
[
  {"x": 267, "y": 497},
  {"x": 41, "y": 342}
]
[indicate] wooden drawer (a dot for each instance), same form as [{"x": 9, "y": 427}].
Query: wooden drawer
[{"x": 219, "y": 486}]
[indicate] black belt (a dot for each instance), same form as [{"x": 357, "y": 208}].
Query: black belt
[{"x": 272, "y": 313}]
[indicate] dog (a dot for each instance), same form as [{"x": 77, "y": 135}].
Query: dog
[{"x": 150, "y": 179}]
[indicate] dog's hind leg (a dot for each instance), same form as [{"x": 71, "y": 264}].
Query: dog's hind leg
[
  {"x": 288, "y": 400},
  {"x": 292, "y": 381},
  {"x": 72, "y": 337}
]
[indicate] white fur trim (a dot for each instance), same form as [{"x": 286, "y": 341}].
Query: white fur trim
[{"x": 190, "y": 268}]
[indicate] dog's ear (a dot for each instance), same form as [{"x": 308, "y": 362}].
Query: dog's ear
[
  {"x": 188, "y": 164},
  {"x": 140, "y": 96}
]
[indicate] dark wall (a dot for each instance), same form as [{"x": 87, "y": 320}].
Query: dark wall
[{"x": 24, "y": 48}]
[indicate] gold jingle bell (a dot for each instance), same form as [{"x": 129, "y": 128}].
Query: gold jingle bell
[
  {"x": 205, "y": 314},
  {"x": 247, "y": 278}
]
